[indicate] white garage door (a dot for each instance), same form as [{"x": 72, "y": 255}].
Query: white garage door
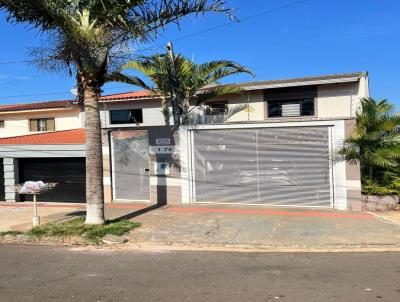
[{"x": 275, "y": 166}]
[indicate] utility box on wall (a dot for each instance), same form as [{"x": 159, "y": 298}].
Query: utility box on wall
[{"x": 161, "y": 168}]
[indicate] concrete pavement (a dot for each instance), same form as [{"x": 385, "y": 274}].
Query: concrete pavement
[
  {"x": 263, "y": 228},
  {"x": 234, "y": 228},
  {"x": 42, "y": 273},
  {"x": 18, "y": 216}
]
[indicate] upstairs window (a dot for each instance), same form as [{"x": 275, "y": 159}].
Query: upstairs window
[
  {"x": 219, "y": 108},
  {"x": 41, "y": 124},
  {"x": 1, "y": 124},
  {"x": 126, "y": 116},
  {"x": 291, "y": 108}
]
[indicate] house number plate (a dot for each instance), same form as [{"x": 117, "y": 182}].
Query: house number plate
[{"x": 162, "y": 149}]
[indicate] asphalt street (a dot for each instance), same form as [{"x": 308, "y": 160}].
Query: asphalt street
[{"x": 43, "y": 273}]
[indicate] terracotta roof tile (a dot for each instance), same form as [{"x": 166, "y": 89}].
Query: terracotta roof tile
[
  {"x": 35, "y": 106},
  {"x": 127, "y": 95},
  {"x": 67, "y": 137},
  {"x": 67, "y": 103}
]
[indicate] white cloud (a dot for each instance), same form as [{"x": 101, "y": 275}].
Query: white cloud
[{"x": 22, "y": 78}]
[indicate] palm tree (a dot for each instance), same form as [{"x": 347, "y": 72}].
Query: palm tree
[
  {"x": 197, "y": 82},
  {"x": 85, "y": 36},
  {"x": 375, "y": 144}
]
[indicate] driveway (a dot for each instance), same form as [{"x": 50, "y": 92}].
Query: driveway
[
  {"x": 263, "y": 228},
  {"x": 219, "y": 227}
]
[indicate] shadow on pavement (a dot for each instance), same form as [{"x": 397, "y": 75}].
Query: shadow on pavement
[
  {"x": 138, "y": 212},
  {"x": 76, "y": 214}
]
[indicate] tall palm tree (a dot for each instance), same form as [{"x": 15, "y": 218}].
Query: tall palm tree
[
  {"x": 88, "y": 35},
  {"x": 375, "y": 144},
  {"x": 191, "y": 81}
]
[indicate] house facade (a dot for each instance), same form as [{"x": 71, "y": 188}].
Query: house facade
[
  {"x": 23, "y": 119},
  {"x": 271, "y": 144}
]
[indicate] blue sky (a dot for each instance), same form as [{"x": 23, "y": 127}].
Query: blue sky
[{"x": 310, "y": 38}]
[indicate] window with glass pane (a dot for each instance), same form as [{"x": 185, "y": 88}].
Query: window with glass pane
[
  {"x": 219, "y": 108},
  {"x": 42, "y": 124},
  {"x": 291, "y": 108},
  {"x": 307, "y": 107},
  {"x": 126, "y": 116}
]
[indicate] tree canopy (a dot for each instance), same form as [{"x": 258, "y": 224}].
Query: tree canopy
[
  {"x": 86, "y": 33},
  {"x": 190, "y": 81},
  {"x": 375, "y": 144}
]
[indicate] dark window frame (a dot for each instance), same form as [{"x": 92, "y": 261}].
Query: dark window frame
[
  {"x": 276, "y": 106},
  {"x": 2, "y": 124},
  {"x": 217, "y": 111},
  {"x": 134, "y": 116},
  {"x": 43, "y": 124}
]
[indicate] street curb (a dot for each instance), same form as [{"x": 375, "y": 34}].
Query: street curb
[
  {"x": 265, "y": 249},
  {"x": 149, "y": 247}
]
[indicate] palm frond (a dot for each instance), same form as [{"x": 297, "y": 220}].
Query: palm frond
[
  {"x": 209, "y": 93},
  {"x": 128, "y": 79},
  {"x": 234, "y": 109},
  {"x": 213, "y": 71},
  {"x": 378, "y": 159}
]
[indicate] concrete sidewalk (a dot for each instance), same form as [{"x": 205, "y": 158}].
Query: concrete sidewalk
[
  {"x": 18, "y": 216},
  {"x": 218, "y": 227},
  {"x": 264, "y": 228}
]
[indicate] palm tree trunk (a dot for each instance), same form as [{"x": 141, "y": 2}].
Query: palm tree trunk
[
  {"x": 94, "y": 156},
  {"x": 185, "y": 113},
  {"x": 165, "y": 110}
]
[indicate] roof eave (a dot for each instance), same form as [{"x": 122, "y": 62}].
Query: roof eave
[
  {"x": 37, "y": 110},
  {"x": 130, "y": 99},
  {"x": 300, "y": 83}
]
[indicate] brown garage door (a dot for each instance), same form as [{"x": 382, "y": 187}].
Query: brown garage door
[{"x": 69, "y": 173}]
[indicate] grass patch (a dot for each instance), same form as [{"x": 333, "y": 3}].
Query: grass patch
[
  {"x": 12, "y": 233},
  {"x": 77, "y": 227}
]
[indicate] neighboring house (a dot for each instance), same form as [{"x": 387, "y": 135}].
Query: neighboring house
[
  {"x": 277, "y": 150},
  {"x": 22, "y": 119}
]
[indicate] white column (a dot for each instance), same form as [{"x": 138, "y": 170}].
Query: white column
[{"x": 11, "y": 178}]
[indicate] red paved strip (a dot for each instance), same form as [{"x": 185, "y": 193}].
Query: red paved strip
[
  {"x": 271, "y": 212},
  {"x": 203, "y": 210}
]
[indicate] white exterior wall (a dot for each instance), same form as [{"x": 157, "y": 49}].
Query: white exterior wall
[
  {"x": 255, "y": 99},
  {"x": 340, "y": 100},
  {"x": 16, "y": 124}
]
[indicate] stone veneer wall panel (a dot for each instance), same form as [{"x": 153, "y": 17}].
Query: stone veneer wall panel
[{"x": 353, "y": 176}]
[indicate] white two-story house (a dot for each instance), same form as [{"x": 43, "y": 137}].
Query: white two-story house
[{"x": 271, "y": 144}]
